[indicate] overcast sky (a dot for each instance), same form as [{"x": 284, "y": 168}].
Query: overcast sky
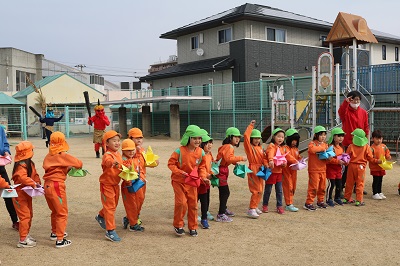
[{"x": 121, "y": 37}]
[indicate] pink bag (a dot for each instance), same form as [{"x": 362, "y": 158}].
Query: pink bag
[
  {"x": 300, "y": 165},
  {"x": 344, "y": 157},
  {"x": 4, "y": 160},
  {"x": 33, "y": 192},
  {"x": 193, "y": 178},
  {"x": 280, "y": 158}
]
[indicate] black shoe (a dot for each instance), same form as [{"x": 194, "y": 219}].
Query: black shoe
[
  {"x": 47, "y": 144},
  {"x": 179, "y": 231},
  {"x": 365, "y": 192},
  {"x": 136, "y": 228},
  {"x": 97, "y": 154},
  {"x": 63, "y": 243},
  {"x": 193, "y": 232}
]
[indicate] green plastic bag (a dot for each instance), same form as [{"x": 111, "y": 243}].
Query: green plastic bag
[
  {"x": 214, "y": 181},
  {"x": 78, "y": 172}
]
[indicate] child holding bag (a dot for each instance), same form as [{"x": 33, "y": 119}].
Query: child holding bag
[
  {"x": 56, "y": 165},
  {"x": 334, "y": 168},
  {"x": 227, "y": 153},
  {"x": 316, "y": 170},
  {"x": 182, "y": 163},
  {"x": 256, "y": 156},
  {"x": 109, "y": 184},
  {"x": 278, "y": 137},
  {"x": 24, "y": 173},
  {"x": 129, "y": 198},
  {"x": 289, "y": 180}
]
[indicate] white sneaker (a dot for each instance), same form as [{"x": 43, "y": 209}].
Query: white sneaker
[
  {"x": 27, "y": 243},
  {"x": 376, "y": 196},
  {"x": 382, "y": 196},
  {"x": 252, "y": 213},
  {"x": 258, "y": 211}
]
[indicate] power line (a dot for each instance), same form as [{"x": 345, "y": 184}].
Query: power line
[{"x": 72, "y": 72}]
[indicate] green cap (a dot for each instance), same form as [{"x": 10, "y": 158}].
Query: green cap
[
  {"x": 255, "y": 133},
  {"x": 318, "y": 129},
  {"x": 359, "y": 138},
  {"x": 276, "y": 130},
  {"x": 290, "y": 132},
  {"x": 233, "y": 131},
  {"x": 335, "y": 131},
  {"x": 191, "y": 131},
  {"x": 205, "y": 137}
]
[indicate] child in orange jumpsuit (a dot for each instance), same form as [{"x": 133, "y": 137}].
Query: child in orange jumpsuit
[
  {"x": 316, "y": 170},
  {"x": 289, "y": 180},
  {"x": 109, "y": 184},
  {"x": 278, "y": 137},
  {"x": 24, "y": 173},
  {"x": 227, "y": 153},
  {"x": 256, "y": 156},
  {"x": 334, "y": 167},
  {"x": 181, "y": 163},
  {"x": 56, "y": 165},
  {"x": 129, "y": 198},
  {"x": 136, "y": 135},
  {"x": 360, "y": 152},
  {"x": 378, "y": 149},
  {"x": 204, "y": 188}
]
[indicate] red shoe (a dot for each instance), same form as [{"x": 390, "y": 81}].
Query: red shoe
[
  {"x": 265, "y": 208},
  {"x": 280, "y": 210},
  {"x": 16, "y": 226}
]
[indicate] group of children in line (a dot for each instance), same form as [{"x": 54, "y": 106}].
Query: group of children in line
[
  {"x": 57, "y": 164},
  {"x": 191, "y": 167},
  {"x": 195, "y": 155}
]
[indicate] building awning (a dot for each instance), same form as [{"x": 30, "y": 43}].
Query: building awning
[{"x": 191, "y": 68}]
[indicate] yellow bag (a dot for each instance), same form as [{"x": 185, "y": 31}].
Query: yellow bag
[
  {"x": 386, "y": 165},
  {"x": 128, "y": 174},
  {"x": 151, "y": 158}
]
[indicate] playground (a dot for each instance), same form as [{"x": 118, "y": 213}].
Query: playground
[{"x": 343, "y": 235}]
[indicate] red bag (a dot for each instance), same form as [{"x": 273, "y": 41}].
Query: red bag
[{"x": 193, "y": 178}]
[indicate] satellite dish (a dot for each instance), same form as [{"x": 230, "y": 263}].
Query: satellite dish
[{"x": 200, "y": 52}]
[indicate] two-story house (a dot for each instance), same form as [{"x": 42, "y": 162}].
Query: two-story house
[{"x": 251, "y": 42}]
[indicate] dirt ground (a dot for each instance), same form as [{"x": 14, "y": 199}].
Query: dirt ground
[{"x": 343, "y": 235}]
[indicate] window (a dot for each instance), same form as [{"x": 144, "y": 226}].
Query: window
[
  {"x": 194, "y": 42},
  {"x": 225, "y": 35},
  {"x": 383, "y": 52},
  {"x": 20, "y": 79},
  {"x": 396, "y": 54},
  {"x": 206, "y": 90},
  {"x": 96, "y": 79},
  {"x": 276, "y": 35}
]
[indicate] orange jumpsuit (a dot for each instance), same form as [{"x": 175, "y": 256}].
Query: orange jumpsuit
[
  {"x": 185, "y": 195},
  {"x": 129, "y": 199},
  {"x": 316, "y": 172},
  {"x": 3, "y": 183},
  {"x": 356, "y": 170},
  {"x": 56, "y": 168},
  {"x": 23, "y": 203},
  {"x": 289, "y": 180},
  {"x": 256, "y": 157},
  {"x": 109, "y": 187},
  {"x": 227, "y": 153}
]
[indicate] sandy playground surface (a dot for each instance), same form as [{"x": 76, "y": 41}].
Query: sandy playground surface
[{"x": 343, "y": 235}]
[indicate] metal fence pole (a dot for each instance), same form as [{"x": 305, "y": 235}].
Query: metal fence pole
[
  {"x": 66, "y": 110},
  {"x": 209, "y": 112},
  {"x": 24, "y": 133},
  {"x": 233, "y": 104},
  {"x": 261, "y": 104}
]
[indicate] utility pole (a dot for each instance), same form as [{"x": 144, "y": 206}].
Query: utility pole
[{"x": 80, "y": 66}]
